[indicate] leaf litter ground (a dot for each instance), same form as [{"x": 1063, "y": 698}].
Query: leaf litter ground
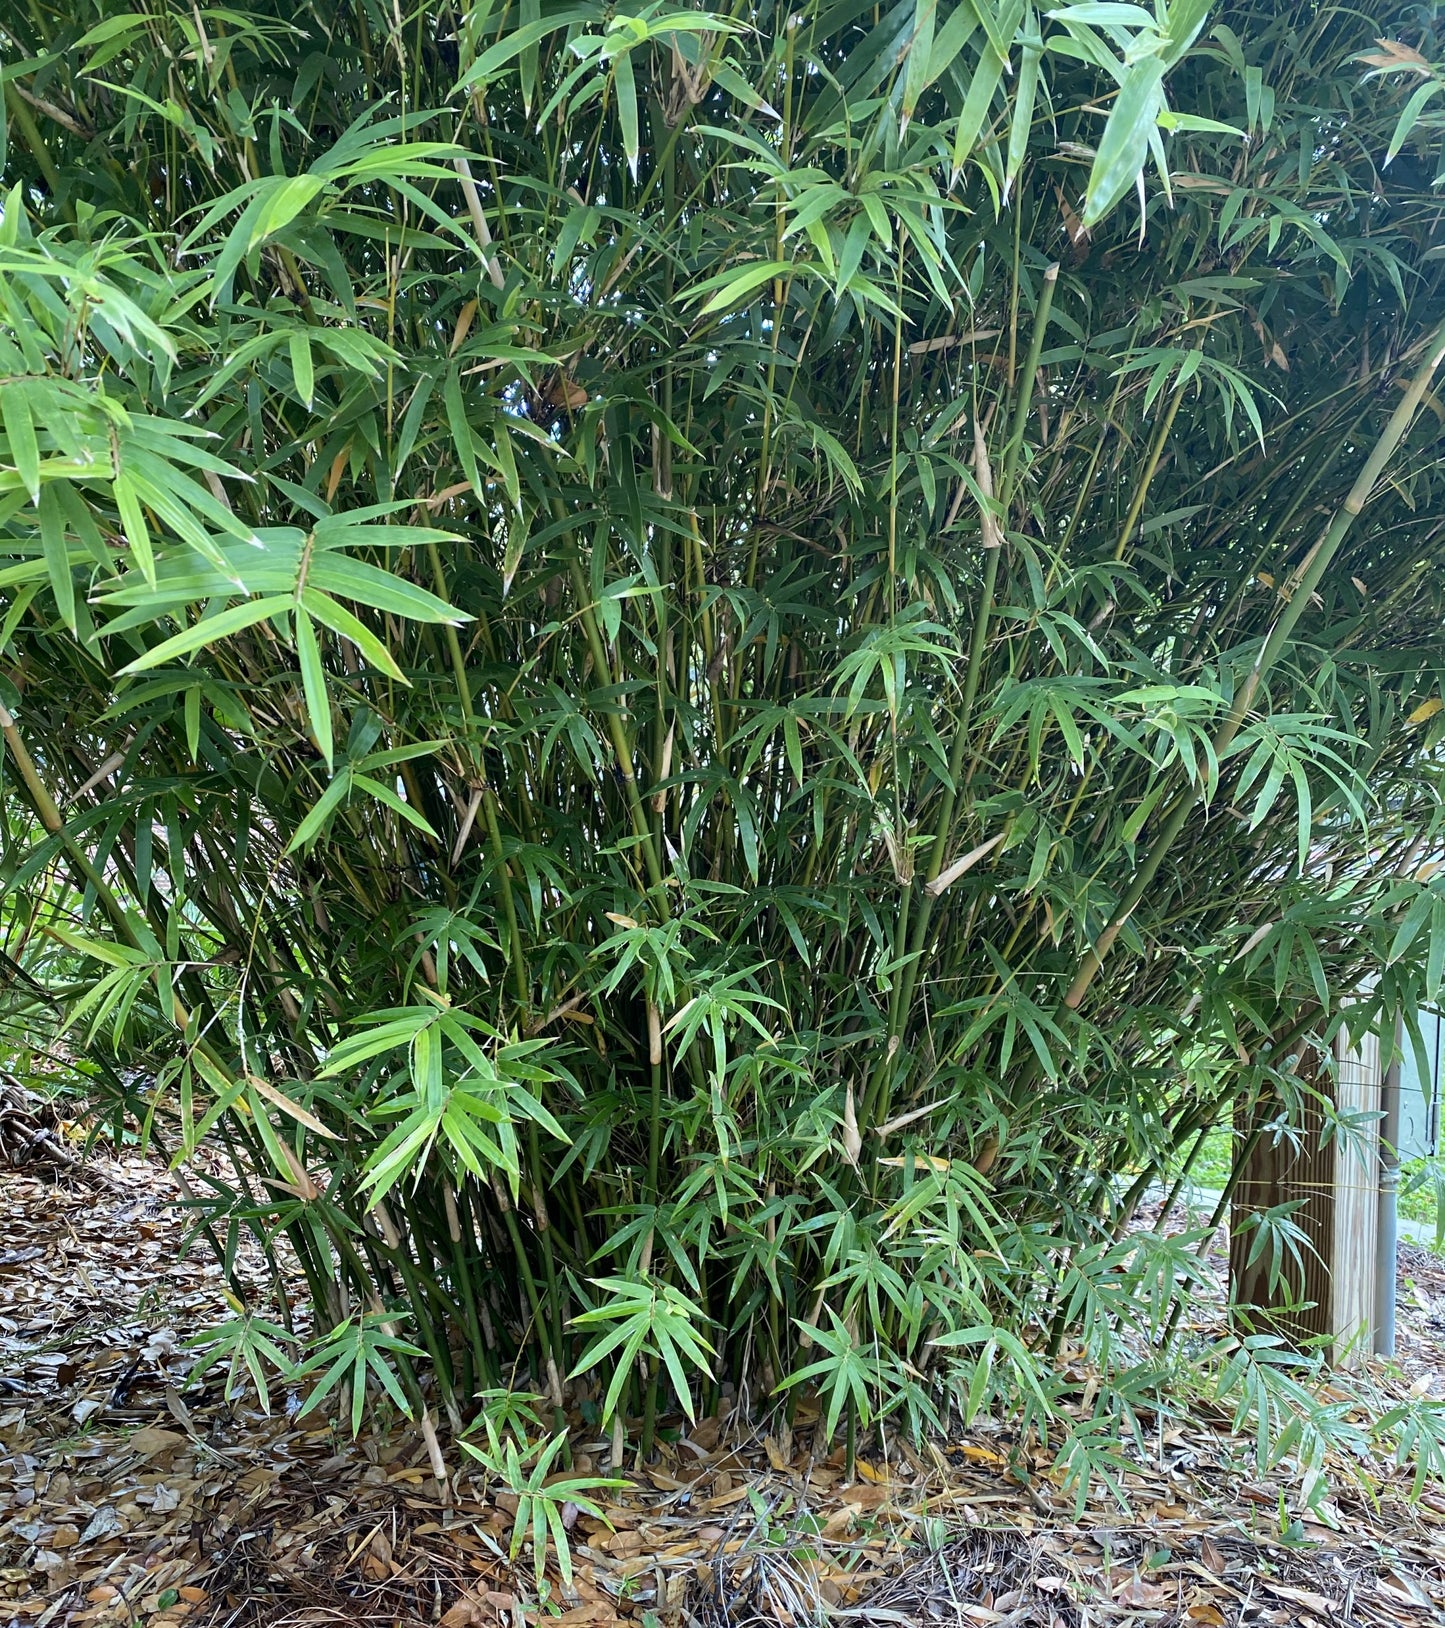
[{"x": 127, "y": 1497}]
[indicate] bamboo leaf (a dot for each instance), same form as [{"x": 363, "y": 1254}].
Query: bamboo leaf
[
  {"x": 301, "y": 367},
  {"x": 137, "y": 533},
  {"x": 57, "y": 555},
  {"x": 289, "y": 1106},
  {"x": 313, "y": 683},
  {"x": 19, "y": 423},
  {"x": 920, "y": 55},
  {"x": 1125, "y": 142},
  {"x": 1410, "y": 116},
  {"x": 342, "y": 622},
  {"x": 211, "y": 629},
  {"x": 627, "y": 109},
  {"x": 518, "y": 41},
  {"x": 732, "y": 286}
]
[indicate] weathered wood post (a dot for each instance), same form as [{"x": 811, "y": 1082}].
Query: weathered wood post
[{"x": 1327, "y": 1297}]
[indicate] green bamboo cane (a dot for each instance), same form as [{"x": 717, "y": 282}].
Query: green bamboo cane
[{"x": 973, "y": 672}]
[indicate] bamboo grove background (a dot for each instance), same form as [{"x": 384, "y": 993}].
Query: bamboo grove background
[{"x": 705, "y": 680}]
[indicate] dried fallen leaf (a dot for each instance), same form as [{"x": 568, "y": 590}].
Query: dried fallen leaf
[
  {"x": 466, "y": 1613},
  {"x": 1138, "y": 1591},
  {"x": 1303, "y": 1596},
  {"x": 775, "y": 1456},
  {"x": 153, "y": 1439},
  {"x": 1395, "y": 1586}
]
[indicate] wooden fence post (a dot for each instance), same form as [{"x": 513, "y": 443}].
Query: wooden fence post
[{"x": 1327, "y": 1297}]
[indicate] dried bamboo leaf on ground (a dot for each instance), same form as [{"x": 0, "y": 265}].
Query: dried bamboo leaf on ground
[{"x": 127, "y": 1497}]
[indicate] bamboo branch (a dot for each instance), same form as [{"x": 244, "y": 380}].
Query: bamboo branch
[{"x": 1308, "y": 576}]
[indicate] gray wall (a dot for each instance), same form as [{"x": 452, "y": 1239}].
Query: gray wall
[{"x": 1420, "y": 1094}]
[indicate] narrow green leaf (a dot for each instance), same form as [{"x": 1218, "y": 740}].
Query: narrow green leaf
[
  {"x": 57, "y": 554},
  {"x": 920, "y": 54},
  {"x": 320, "y": 815},
  {"x": 301, "y": 368},
  {"x": 1410, "y": 114},
  {"x": 313, "y": 683},
  {"x": 384, "y": 794},
  {"x": 15, "y": 414},
  {"x": 282, "y": 200},
  {"x": 739, "y": 283},
  {"x": 515, "y": 42},
  {"x": 210, "y": 629},
  {"x": 1125, "y": 142},
  {"x": 626, "y": 87},
  {"x": 981, "y": 89},
  {"x": 341, "y": 621},
  {"x": 462, "y": 431},
  {"x": 133, "y": 522},
  {"x": 1021, "y": 126}
]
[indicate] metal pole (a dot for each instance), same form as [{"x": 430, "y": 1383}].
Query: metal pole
[
  {"x": 1433, "y": 1146},
  {"x": 1387, "y": 1233}
]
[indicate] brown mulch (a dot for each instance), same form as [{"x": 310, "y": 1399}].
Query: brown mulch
[
  {"x": 32, "y": 1136},
  {"x": 1420, "y": 1316},
  {"x": 128, "y": 1496}
]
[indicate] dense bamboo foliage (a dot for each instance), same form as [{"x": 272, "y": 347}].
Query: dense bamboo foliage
[{"x": 705, "y": 679}]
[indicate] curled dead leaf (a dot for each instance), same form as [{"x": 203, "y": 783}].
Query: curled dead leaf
[
  {"x": 1305, "y": 1597},
  {"x": 1140, "y": 1592},
  {"x": 466, "y": 1613},
  {"x": 566, "y": 392},
  {"x": 1393, "y": 56},
  {"x": 932, "y": 1160},
  {"x": 152, "y": 1439}
]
